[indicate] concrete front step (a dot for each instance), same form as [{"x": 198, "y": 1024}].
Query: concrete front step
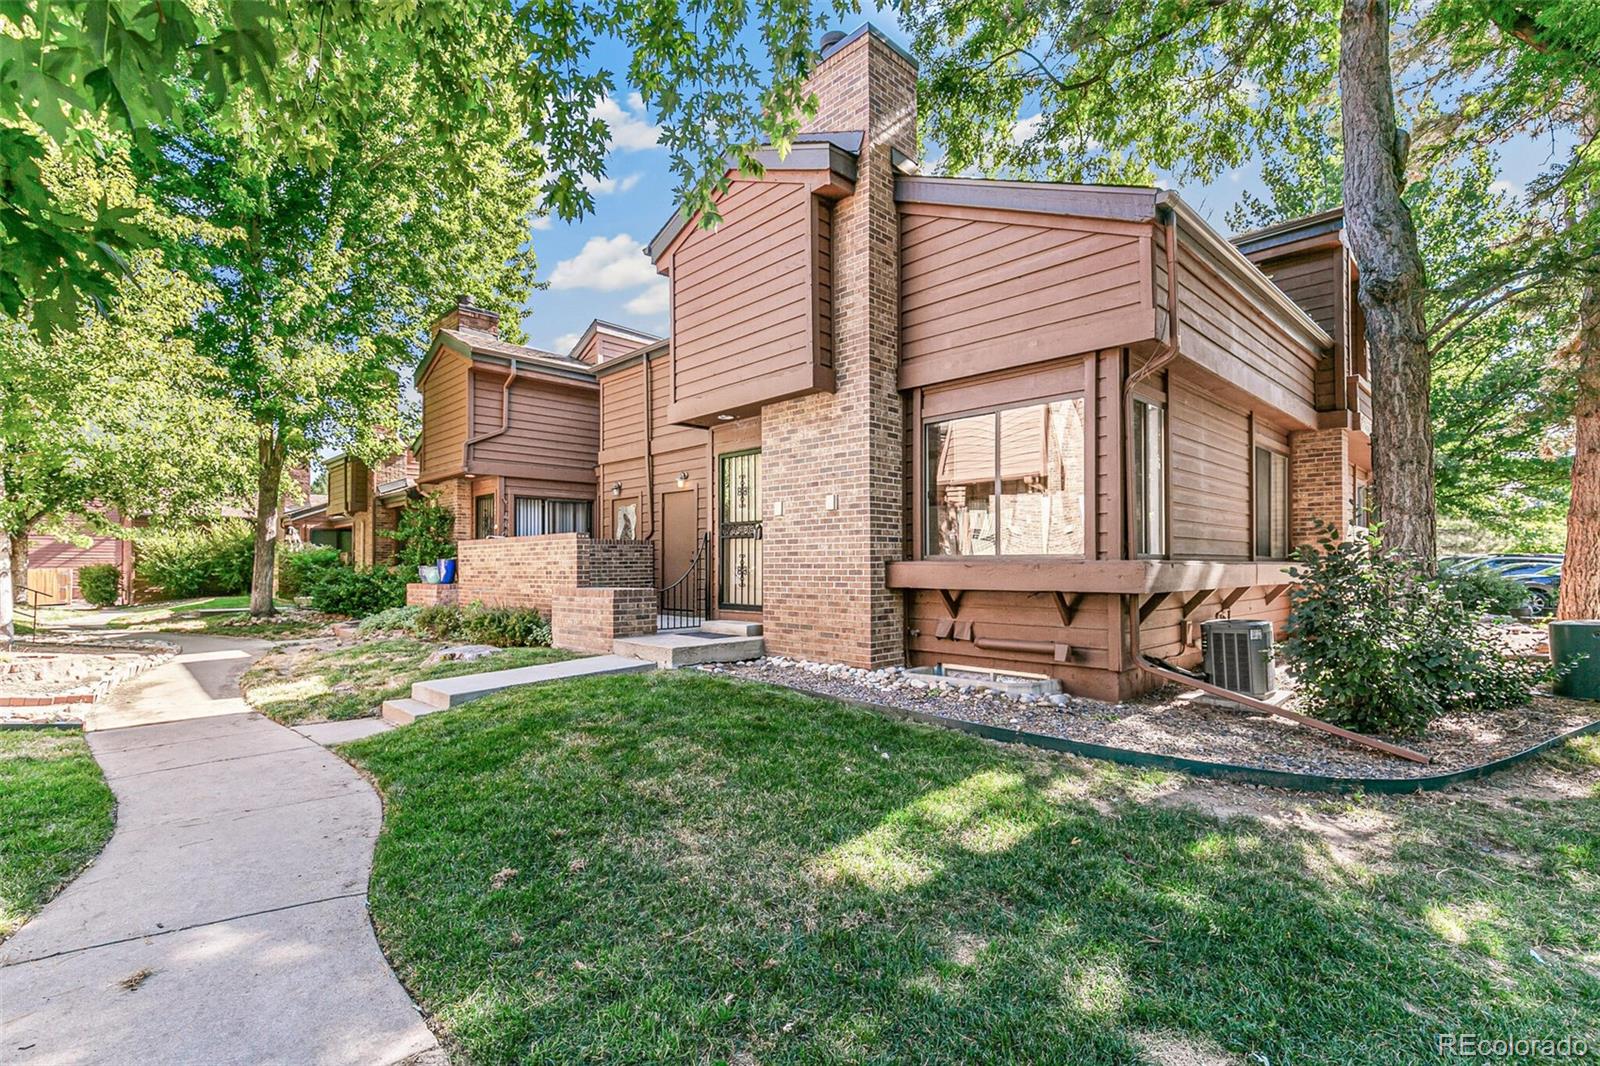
[
  {"x": 406, "y": 711},
  {"x": 727, "y": 627},
  {"x": 447, "y": 692},
  {"x": 689, "y": 648}
]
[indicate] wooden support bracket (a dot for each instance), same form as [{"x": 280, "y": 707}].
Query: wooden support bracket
[
  {"x": 943, "y": 628},
  {"x": 1275, "y": 591},
  {"x": 1230, "y": 599},
  {"x": 1195, "y": 601},
  {"x": 1148, "y": 607},
  {"x": 1067, "y": 605},
  {"x": 963, "y": 630},
  {"x": 952, "y": 601}
]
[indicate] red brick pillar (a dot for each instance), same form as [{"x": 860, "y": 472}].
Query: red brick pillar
[
  {"x": 824, "y": 568},
  {"x": 1321, "y": 483}
]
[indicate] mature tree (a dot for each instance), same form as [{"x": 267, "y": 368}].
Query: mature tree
[
  {"x": 111, "y": 419},
  {"x": 290, "y": 80},
  {"x": 1524, "y": 68},
  {"x": 1501, "y": 303},
  {"x": 1193, "y": 86},
  {"x": 327, "y": 274}
]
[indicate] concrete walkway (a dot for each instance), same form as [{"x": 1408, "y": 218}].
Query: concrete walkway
[{"x": 226, "y": 921}]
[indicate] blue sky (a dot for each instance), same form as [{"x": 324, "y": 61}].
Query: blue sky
[{"x": 596, "y": 269}]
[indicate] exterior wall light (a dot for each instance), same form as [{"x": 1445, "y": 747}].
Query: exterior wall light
[
  {"x": 616, "y": 489},
  {"x": 683, "y": 478}
]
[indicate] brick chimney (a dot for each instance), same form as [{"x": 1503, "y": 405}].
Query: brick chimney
[
  {"x": 468, "y": 315},
  {"x": 824, "y": 571}
]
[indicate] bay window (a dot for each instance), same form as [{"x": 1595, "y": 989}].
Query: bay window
[{"x": 1006, "y": 483}]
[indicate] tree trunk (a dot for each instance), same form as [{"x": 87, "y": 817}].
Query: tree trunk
[
  {"x": 1384, "y": 242},
  {"x": 7, "y": 590},
  {"x": 269, "y": 479},
  {"x": 1580, "y": 574},
  {"x": 19, "y": 559}
]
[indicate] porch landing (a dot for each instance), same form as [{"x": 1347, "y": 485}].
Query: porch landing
[{"x": 710, "y": 643}]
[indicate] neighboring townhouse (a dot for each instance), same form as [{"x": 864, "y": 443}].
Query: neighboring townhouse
[
  {"x": 1028, "y": 426},
  {"x": 53, "y": 563},
  {"x": 361, "y": 506},
  {"x": 511, "y": 434}
]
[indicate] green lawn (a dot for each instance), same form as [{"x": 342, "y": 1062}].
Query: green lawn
[
  {"x": 681, "y": 868},
  {"x": 223, "y": 615},
  {"x": 55, "y": 815},
  {"x": 294, "y": 686}
]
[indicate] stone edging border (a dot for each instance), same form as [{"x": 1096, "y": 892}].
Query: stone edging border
[
  {"x": 151, "y": 654},
  {"x": 1220, "y": 771}
]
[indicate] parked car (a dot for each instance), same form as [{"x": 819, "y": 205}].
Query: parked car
[{"x": 1538, "y": 572}]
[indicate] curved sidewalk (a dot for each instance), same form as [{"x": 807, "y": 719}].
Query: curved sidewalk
[{"x": 225, "y": 921}]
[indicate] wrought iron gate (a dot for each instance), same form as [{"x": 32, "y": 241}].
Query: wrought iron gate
[
  {"x": 685, "y": 603},
  {"x": 739, "y": 532}
]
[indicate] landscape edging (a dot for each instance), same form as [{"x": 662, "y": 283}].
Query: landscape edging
[{"x": 1221, "y": 771}]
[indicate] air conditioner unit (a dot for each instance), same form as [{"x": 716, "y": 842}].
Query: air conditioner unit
[{"x": 1239, "y": 655}]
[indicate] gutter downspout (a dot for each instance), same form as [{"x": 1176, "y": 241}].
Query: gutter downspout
[
  {"x": 649, "y": 455},
  {"x": 505, "y": 408},
  {"x": 1129, "y": 605},
  {"x": 1164, "y": 355}
]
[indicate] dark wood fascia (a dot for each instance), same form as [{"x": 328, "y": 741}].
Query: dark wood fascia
[{"x": 1111, "y": 576}]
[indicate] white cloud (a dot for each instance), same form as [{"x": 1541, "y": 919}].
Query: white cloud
[
  {"x": 607, "y": 186},
  {"x": 542, "y": 222},
  {"x": 631, "y": 128},
  {"x": 1506, "y": 188},
  {"x": 607, "y": 264},
  {"x": 1024, "y": 129},
  {"x": 652, "y": 302},
  {"x": 563, "y": 344}
]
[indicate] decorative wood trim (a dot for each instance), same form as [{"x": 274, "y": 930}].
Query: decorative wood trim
[
  {"x": 1091, "y": 455},
  {"x": 1231, "y": 598},
  {"x": 1072, "y": 574},
  {"x": 1193, "y": 602},
  {"x": 1148, "y": 606},
  {"x": 1067, "y": 605},
  {"x": 1275, "y": 591},
  {"x": 952, "y": 601}
]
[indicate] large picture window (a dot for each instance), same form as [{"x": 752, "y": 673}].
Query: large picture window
[
  {"x": 1007, "y": 483},
  {"x": 1271, "y": 504},
  {"x": 536, "y": 515},
  {"x": 1149, "y": 478}
]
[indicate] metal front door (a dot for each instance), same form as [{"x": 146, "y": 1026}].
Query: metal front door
[{"x": 739, "y": 531}]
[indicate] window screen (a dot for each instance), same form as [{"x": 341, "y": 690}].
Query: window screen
[
  {"x": 1149, "y": 478},
  {"x": 1271, "y": 504}
]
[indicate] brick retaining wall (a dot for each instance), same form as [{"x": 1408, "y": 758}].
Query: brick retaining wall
[
  {"x": 531, "y": 571},
  {"x": 589, "y": 620},
  {"x": 419, "y": 594}
]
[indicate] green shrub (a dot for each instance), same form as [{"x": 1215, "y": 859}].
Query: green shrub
[
  {"x": 388, "y": 620},
  {"x": 440, "y": 622},
  {"x": 357, "y": 593},
  {"x": 100, "y": 584},
  {"x": 1484, "y": 591},
  {"x": 505, "y": 627},
  {"x": 424, "y": 533},
  {"x": 213, "y": 560},
  {"x": 1378, "y": 647},
  {"x": 299, "y": 568}
]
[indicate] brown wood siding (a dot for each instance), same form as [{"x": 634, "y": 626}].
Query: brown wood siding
[
  {"x": 444, "y": 417},
  {"x": 983, "y": 289},
  {"x": 1031, "y": 616},
  {"x": 1161, "y": 634},
  {"x": 347, "y": 487},
  {"x": 1312, "y": 281},
  {"x": 622, "y": 424},
  {"x": 1210, "y": 474},
  {"x": 553, "y": 434},
  {"x": 1239, "y": 340},
  {"x": 744, "y": 308}
]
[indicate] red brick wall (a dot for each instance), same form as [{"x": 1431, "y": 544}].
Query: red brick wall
[
  {"x": 423, "y": 595},
  {"x": 1320, "y": 482},
  {"x": 823, "y": 582},
  {"x": 530, "y": 571},
  {"x": 589, "y": 620}
]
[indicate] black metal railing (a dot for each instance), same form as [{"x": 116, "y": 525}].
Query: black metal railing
[{"x": 685, "y": 603}]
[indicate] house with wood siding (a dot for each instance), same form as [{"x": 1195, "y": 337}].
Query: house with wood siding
[
  {"x": 510, "y": 434},
  {"x": 362, "y": 504},
  {"x": 1028, "y": 426}
]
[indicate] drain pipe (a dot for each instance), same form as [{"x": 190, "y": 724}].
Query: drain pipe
[
  {"x": 1162, "y": 673},
  {"x": 1162, "y": 356},
  {"x": 505, "y": 407}
]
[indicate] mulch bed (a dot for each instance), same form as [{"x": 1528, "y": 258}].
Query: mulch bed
[{"x": 1174, "y": 721}]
